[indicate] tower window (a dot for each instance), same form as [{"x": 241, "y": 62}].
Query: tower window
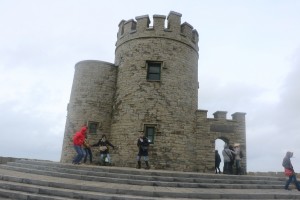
[
  {"x": 153, "y": 71},
  {"x": 150, "y": 133},
  {"x": 93, "y": 126}
]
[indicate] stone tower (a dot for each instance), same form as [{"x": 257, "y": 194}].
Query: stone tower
[{"x": 150, "y": 89}]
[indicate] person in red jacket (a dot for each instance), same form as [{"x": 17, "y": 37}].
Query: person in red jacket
[{"x": 78, "y": 140}]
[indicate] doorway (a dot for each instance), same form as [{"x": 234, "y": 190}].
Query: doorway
[{"x": 219, "y": 145}]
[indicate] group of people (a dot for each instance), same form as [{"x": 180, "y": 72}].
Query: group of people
[
  {"x": 232, "y": 156},
  {"x": 83, "y": 149}
]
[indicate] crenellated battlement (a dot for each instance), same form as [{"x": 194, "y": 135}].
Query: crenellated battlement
[{"x": 140, "y": 28}]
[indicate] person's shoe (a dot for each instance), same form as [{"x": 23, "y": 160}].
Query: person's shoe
[
  {"x": 147, "y": 165},
  {"x": 138, "y": 166},
  {"x": 287, "y": 189}
]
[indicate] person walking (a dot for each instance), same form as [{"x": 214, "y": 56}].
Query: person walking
[
  {"x": 289, "y": 171},
  {"x": 143, "y": 145},
  {"x": 78, "y": 140},
  {"x": 217, "y": 162}
]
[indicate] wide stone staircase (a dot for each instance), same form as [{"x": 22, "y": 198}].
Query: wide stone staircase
[{"x": 32, "y": 179}]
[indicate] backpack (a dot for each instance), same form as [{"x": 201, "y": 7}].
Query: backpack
[{"x": 241, "y": 154}]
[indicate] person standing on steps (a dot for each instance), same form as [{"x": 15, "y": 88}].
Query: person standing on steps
[
  {"x": 233, "y": 158},
  {"x": 143, "y": 145},
  {"x": 88, "y": 151},
  {"x": 227, "y": 155},
  {"x": 103, "y": 144},
  {"x": 287, "y": 164},
  {"x": 78, "y": 140},
  {"x": 217, "y": 162},
  {"x": 237, "y": 157}
]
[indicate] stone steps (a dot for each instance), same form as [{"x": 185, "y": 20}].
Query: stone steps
[
  {"x": 165, "y": 181},
  {"x": 26, "y": 179}
]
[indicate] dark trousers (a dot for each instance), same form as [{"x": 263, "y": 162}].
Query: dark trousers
[
  {"x": 88, "y": 152},
  {"x": 292, "y": 179},
  {"x": 227, "y": 168}
]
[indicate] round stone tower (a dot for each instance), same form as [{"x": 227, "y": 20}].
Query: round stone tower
[
  {"x": 90, "y": 102},
  {"x": 156, "y": 91}
]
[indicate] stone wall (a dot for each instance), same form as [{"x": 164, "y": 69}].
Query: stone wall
[{"x": 4, "y": 160}]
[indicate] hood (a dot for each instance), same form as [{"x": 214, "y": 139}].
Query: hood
[
  {"x": 83, "y": 130},
  {"x": 289, "y": 154}
]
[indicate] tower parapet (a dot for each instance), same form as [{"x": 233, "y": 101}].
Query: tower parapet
[{"x": 140, "y": 28}]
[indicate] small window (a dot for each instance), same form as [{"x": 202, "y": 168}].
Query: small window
[
  {"x": 149, "y": 133},
  {"x": 93, "y": 126},
  {"x": 153, "y": 71}
]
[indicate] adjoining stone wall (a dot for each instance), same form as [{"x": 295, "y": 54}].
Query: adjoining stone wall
[
  {"x": 209, "y": 129},
  {"x": 4, "y": 160}
]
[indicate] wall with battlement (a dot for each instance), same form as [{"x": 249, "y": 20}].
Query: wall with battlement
[{"x": 229, "y": 130}]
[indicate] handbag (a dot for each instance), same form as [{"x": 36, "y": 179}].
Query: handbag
[
  {"x": 103, "y": 148},
  {"x": 288, "y": 172}
]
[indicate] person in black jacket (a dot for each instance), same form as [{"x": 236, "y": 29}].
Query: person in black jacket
[
  {"x": 143, "y": 145},
  {"x": 103, "y": 144},
  {"x": 217, "y": 162}
]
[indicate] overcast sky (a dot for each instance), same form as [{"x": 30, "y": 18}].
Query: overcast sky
[{"x": 249, "y": 61}]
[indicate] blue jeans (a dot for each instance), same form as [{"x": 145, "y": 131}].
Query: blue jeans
[
  {"x": 238, "y": 167},
  {"x": 89, "y": 153},
  {"x": 294, "y": 179},
  {"x": 80, "y": 154}
]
